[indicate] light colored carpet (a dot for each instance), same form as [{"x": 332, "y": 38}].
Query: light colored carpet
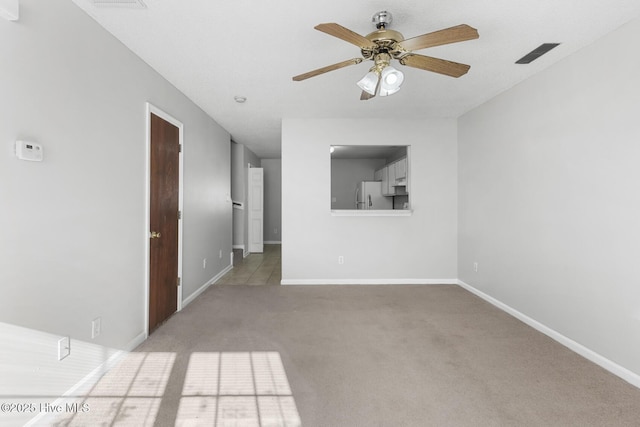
[
  {"x": 393, "y": 355},
  {"x": 397, "y": 356}
]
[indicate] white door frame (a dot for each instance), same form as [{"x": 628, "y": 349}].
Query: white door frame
[{"x": 150, "y": 108}]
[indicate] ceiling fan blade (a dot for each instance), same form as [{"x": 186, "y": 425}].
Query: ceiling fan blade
[
  {"x": 365, "y": 96},
  {"x": 441, "y": 66},
  {"x": 345, "y": 34},
  {"x": 327, "y": 69},
  {"x": 455, "y": 34}
]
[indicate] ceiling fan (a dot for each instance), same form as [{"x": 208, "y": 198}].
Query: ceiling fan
[{"x": 383, "y": 45}]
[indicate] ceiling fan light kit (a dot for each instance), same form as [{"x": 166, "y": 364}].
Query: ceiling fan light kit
[
  {"x": 384, "y": 45},
  {"x": 391, "y": 81},
  {"x": 369, "y": 82}
]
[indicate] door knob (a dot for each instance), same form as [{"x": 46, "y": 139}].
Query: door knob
[{"x": 155, "y": 235}]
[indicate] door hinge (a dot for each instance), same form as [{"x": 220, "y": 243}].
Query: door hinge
[
  {"x": 179, "y": 148},
  {"x": 178, "y": 283},
  {"x": 179, "y": 214}
]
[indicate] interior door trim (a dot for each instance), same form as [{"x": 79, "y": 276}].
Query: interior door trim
[{"x": 150, "y": 108}]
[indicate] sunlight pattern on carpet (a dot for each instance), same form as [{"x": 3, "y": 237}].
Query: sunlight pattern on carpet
[
  {"x": 237, "y": 388},
  {"x": 220, "y": 389}
]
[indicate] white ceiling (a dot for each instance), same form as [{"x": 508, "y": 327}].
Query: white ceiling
[{"x": 215, "y": 50}]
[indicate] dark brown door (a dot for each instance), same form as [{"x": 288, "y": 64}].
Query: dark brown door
[{"x": 163, "y": 245}]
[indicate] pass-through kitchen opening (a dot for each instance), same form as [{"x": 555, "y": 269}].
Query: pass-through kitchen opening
[{"x": 369, "y": 177}]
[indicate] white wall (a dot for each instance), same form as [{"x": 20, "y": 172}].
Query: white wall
[
  {"x": 374, "y": 248},
  {"x": 549, "y": 197},
  {"x": 272, "y": 199},
  {"x": 73, "y": 226}
]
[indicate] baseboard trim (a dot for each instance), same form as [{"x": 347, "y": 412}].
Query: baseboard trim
[
  {"x": 136, "y": 342},
  {"x": 272, "y": 242},
  {"x": 204, "y": 287},
  {"x": 620, "y": 371},
  {"x": 369, "y": 282},
  {"x": 86, "y": 383}
]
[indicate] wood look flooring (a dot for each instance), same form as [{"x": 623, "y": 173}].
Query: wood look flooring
[{"x": 256, "y": 268}]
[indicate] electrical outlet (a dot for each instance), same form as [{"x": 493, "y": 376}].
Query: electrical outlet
[
  {"x": 475, "y": 267},
  {"x": 275, "y": 231},
  {"x": 64, "y": 347},
  {"x": 96, "y": 327},
  {"x": 340, "y": 259},
  {"x": 204, "y": 263},
  {"x": 220, "y": 255}
]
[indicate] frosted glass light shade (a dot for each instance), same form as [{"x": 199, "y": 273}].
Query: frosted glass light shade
[
  {"x": 391, "y": 81},
  {"x": 369, "y": 82}
]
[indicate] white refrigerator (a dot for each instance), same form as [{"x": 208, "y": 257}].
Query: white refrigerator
[{"x": 369, "y": 196}]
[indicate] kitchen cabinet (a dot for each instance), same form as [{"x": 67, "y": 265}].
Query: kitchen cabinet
[
  {"x": 388, "y": 180},
  {"x": 393, "y": 177},
  {"x": 391, "y": 171},
  {"x": 401, "y": 169},
  {"x": 384, "y": 177}
]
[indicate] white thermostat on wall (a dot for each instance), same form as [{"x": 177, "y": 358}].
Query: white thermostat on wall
[{"x": 31, "y": 151}]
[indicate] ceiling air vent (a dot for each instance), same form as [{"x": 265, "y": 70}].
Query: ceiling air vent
[
  {"x": 131, "y": 4},
  {"x": 536, "y": 53}
]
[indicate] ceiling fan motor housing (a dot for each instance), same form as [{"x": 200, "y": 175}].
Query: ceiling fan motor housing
[{"x": 386, "y": 41}]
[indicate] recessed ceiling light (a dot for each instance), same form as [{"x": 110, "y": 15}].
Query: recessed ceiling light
[{"x": 240, "y": 99}]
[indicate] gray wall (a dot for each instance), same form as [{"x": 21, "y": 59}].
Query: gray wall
[
  {"x": 237, "y": 192},
  {"x": 272, "y": 199},
  {"x": 549, "y": 198},
  {"x": 398, "y": 154},
  {"x": 374, "y": 248},
  {"x": 241, "y": 156},
  {"x": 237, "y": 169},
  {"x": 73, "y": 226},
  {"x": 345, "y": 174}
]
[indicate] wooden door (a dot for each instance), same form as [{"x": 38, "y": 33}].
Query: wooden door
[
  {"x": 163, "y": 244},
  {"x": 256, "y": 210}
]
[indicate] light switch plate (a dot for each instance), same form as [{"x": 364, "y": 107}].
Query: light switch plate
[
  {"x": 64, "y": 347},
  {"x": 96, "y": 327}
]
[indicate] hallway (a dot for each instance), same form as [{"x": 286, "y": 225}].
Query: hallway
[{"x": 255, "y": 269}]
